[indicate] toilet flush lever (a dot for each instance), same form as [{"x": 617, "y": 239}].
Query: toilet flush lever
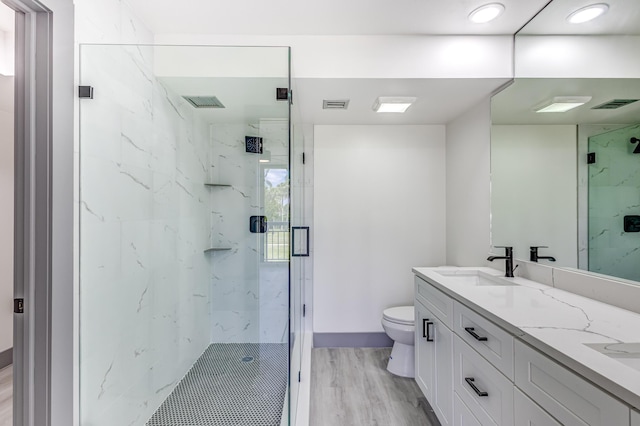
[{"x": 425, "y": 329}]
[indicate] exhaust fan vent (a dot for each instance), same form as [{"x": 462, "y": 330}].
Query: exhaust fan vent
[
  {"x": 615, "y": 104},
  {"x": 335, "y": 104},
  {"x": 204, "y": 101}
]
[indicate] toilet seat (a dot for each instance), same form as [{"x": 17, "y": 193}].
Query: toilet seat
[{"x": 404, "y": 315}]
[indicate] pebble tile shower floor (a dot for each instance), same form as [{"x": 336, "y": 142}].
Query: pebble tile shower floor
[{"x": 230, "y": 385}]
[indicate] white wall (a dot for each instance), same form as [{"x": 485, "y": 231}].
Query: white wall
[
  {"x": 533, "y": 190},
  {"x": 6, "y": 216},
  {"x": 468, "y": 209},
  {"x": 379, "y": 209},
  {"x": 566, "y": 56},
  {"x": 378, "y": 56}
]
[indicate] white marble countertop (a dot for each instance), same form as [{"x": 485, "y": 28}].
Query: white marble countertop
[{"x": 559, "y": 324}]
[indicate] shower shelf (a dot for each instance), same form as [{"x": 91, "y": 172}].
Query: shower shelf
[
  {"x": 217, "y": 249},
  {"x": 217, "y": 184}
]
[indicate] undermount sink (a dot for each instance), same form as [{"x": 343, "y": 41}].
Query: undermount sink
[
  {"x": 625, "y": 353},
  {"x": 474, "y": 277}
]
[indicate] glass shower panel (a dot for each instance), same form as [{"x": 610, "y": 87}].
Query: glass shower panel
[
  {"x": 614, "y": 203},
  {"x": 184, "y": 235}
]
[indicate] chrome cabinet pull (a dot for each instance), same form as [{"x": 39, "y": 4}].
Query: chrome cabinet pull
[
  {"x": 470, "y": 381},
  {"x": 475, "y": 335}
]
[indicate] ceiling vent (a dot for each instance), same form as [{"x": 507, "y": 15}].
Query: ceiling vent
[
  {"x": 335, "y": 104},
  {"x": 204, "y": 101},
  {"x": 615, "y": 104}
]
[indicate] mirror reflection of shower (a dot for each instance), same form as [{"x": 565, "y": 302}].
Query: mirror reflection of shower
[{"x": 614, "y": 203}]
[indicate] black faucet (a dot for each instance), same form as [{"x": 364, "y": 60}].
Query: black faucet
[
  {"x": 508, "y": 257},
  {"x": 533, "y": 255}
]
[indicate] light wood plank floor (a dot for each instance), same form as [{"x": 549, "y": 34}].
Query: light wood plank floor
[
  {"x": 352, "y": 387},
  {"x": 6, "y": 396}
]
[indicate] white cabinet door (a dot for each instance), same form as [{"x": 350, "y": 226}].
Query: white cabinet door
[
  {"x": 462, "y": 416},
  {"x": 424, "y": 353},
  {"x": 565, "y": 395},
  {"x": 442, "y": 402},
  {"x": 527, "y": 413},
  {"x": 492, "y": 342},
  {"x": 635, "y": 418},
  {"x": 486, "y": 391},
  {"x": 434, "y": 368}
]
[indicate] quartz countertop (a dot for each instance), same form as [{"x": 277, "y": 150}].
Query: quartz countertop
[{"x": 573, "y": 330}]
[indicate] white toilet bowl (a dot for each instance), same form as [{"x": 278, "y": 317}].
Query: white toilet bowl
[{"x": 399, "y": 324}]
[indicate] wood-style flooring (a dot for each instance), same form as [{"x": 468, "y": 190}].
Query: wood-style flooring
[
  {"x": 6, "y": 396},
  {"x": 352, "y": 387}
]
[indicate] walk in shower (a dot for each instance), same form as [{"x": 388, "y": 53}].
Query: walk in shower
[
  {"x": 614, "y": 203},
  {"x": 184, "y": 209}
]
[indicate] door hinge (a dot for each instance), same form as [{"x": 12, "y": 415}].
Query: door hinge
[
  {"x": 299, "y": 376},
  {"x": 304, "y": 160},
  {"x": 304, "y": 310},
  {"x": 591, "y": 158},
  {"x": 85, "y": 92},
  {"x": 18, "y": 306}
]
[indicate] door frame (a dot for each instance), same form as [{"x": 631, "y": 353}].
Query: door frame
[{"x": 44, "y": 378}]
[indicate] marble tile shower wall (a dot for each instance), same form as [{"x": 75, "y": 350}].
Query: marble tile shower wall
[
  {"x": 251, "y": 298},
  {"x": 613, "y": 193},
  {"x": 144, "y": 221}
]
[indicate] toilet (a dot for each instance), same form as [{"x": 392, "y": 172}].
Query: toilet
[{"x": 399, "y": 324}]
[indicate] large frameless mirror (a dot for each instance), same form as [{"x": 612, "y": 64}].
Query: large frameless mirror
[{"x": 564, "y": 172}]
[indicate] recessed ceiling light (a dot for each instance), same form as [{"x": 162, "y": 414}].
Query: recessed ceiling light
[
  {"x": 563, "y": 103},
  {"x": 392, "y": 103},
  {"x": 486, "y": 13},
  {"x": 588, "y": 13}
]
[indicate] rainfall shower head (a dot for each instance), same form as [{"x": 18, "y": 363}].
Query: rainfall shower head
[{"x": 204, "y": 101}]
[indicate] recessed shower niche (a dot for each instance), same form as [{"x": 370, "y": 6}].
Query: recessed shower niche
[{"x": 173, "y": 285}]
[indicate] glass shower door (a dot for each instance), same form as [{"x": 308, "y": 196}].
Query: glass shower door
[{"x": 184, "y": 235}]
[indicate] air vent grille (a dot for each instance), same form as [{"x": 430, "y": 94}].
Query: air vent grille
[
  {"x": 615, "y": 104},
  {"x": 204, "y": 101},
  {"x": 335, "y": 104}
]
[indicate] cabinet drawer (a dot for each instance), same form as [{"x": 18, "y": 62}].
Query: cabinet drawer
[
  {"x": 527, "y": 413},
  {"x": 469, "y": 370},
  {"x": 493, "y": 343},
  {"x": 635, "y": 418},
  {"x": 462, "y": 416},
  {"x": 566, "y": 396},
  {"x": 436, "y": 301}
]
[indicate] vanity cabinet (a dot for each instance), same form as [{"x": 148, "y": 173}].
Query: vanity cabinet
[
  {"x": 474, "y": 372},
  {"x": 434, "y": 346}
]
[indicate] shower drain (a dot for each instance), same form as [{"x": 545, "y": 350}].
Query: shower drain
[{"x": 247, "y": 359}]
